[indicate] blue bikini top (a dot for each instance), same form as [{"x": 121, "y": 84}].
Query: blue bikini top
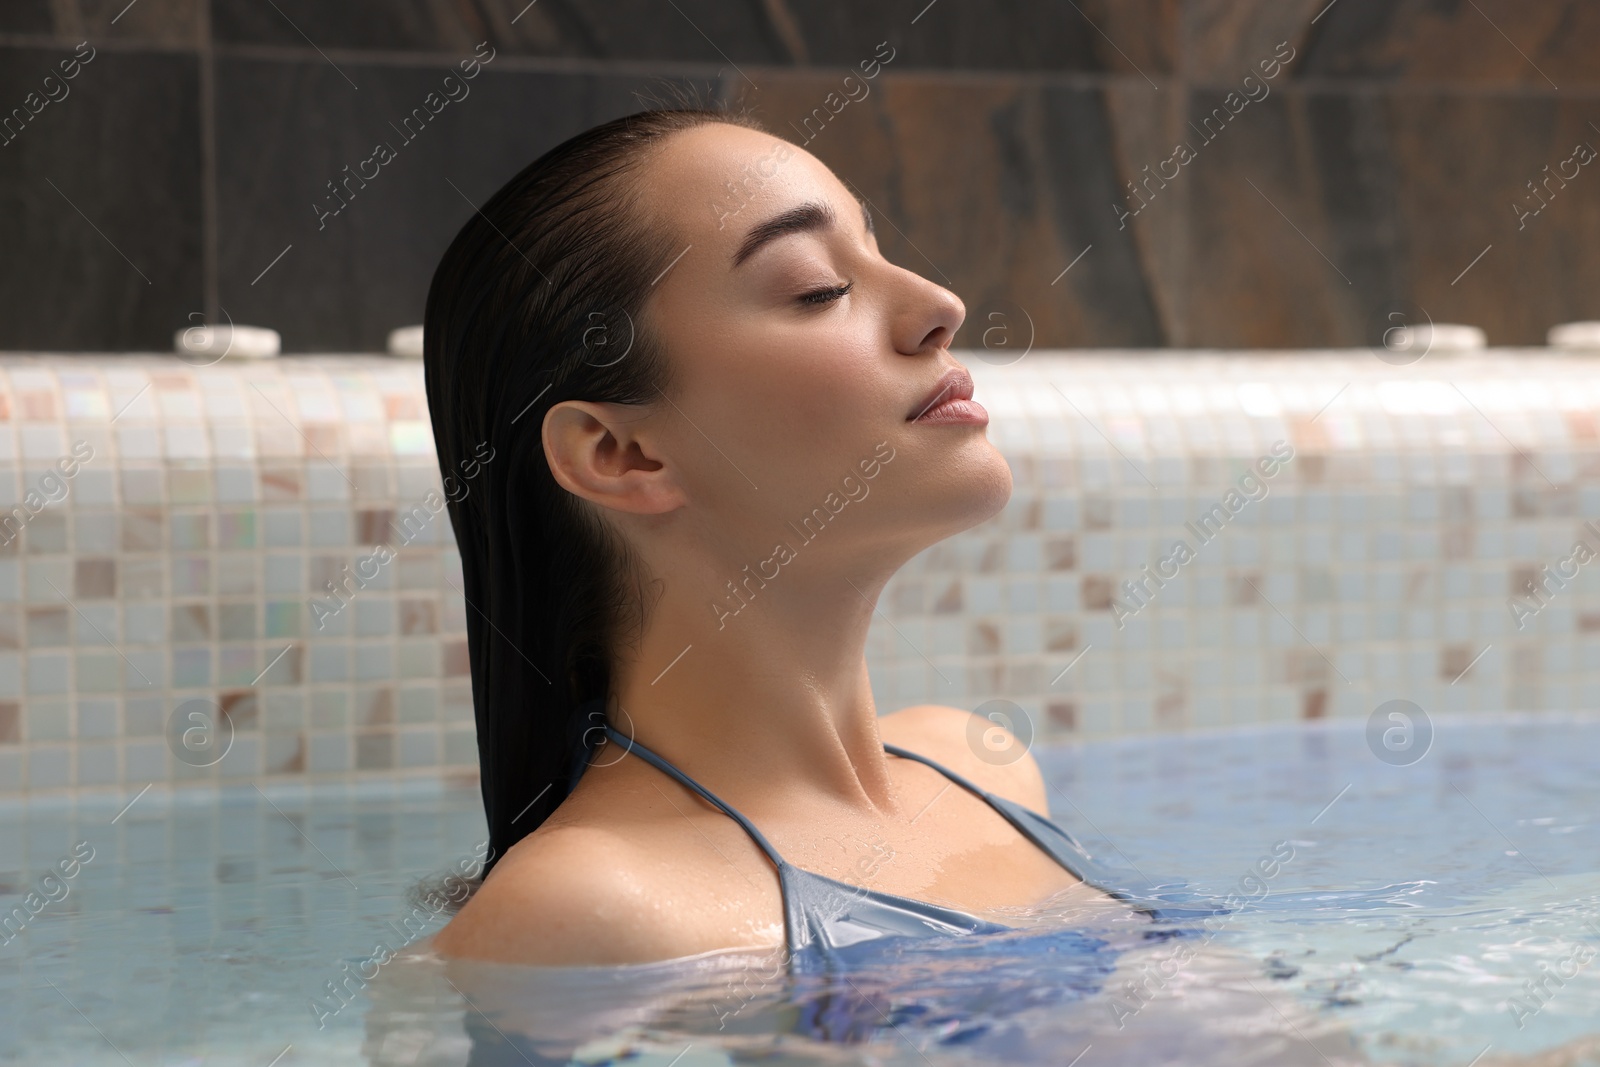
[{"x": 823, "y": 916}]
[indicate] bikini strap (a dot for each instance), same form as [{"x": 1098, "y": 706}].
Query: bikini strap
[
  {"x": 1035, "y": 827},
  {"x": 630, "y": 745},
  {"x": 969, "y": 786}
]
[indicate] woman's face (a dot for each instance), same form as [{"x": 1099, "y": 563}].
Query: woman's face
[{"x": 789, "y": 388}]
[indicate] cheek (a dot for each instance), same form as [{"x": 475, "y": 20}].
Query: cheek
[
  {"x": 833, "y": 402},
  {"x": 811, "y": 394},
  {"x": 781, "y": 400}
]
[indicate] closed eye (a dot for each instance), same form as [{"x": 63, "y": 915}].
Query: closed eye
[{"x": 828, "y": 295}]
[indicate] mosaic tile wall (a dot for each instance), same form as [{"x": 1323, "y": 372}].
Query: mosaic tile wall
[
  {"x": 175, "y": 574},
  {"x": 167, "y": 528},
  {"x": 1419, "y": 546}
]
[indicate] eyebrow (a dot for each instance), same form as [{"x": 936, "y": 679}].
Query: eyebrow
[{"x": 806, "y": 218}]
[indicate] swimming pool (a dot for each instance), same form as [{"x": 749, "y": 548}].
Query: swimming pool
[{"x": 1384, "y": 912}]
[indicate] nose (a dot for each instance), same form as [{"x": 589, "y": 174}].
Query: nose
[{"x": 929, "y": 316}]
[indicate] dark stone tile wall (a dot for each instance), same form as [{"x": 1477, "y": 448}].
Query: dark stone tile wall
[
  {"x": 349, "y": 274},
  {"x": 1509, "y": 43},
  {"x": 171, "y": 23},
  {"x": 100, "y": 227},
  {"x": 949, "y": 34},
  {"x": 699, "y": 31},
  {"x": 1328, "y": 212},
  {"x": 1094, "y": 173}
]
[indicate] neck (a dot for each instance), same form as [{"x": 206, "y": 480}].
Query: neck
[{"x": 774, "y": 701}]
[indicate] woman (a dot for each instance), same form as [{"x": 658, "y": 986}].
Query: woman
[{"x": 720, "y": 420}]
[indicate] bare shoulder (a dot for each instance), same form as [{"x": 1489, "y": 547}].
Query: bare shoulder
[
  {"x": 567, "y": 896},
  {"x": 982, "y": 750}
]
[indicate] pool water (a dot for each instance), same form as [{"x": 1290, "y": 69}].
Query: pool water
[{"x": 1442, "y": 912}]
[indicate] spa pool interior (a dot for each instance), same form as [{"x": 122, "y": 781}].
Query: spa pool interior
[
  {"x": 1411, "y": 905},
  {"x": 1337, "y": 896}
]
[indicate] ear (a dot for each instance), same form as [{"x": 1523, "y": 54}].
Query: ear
[{"x": 606, "y": 454}]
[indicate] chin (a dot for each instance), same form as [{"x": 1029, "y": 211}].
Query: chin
[
  {"x": 973, "y": 487},
  {"x": 997, "y": 483}
]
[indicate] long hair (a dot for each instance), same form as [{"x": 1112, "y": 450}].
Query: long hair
[{"x": 537, "y": 301}]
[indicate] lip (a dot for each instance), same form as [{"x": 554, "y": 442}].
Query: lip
[{"x": 949, "y": 401}]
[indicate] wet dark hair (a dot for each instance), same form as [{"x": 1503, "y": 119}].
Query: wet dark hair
[{"x": 538, "y": 300}]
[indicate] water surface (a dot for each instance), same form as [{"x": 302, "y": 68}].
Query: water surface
[{"x": 1430, "y": 913}]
